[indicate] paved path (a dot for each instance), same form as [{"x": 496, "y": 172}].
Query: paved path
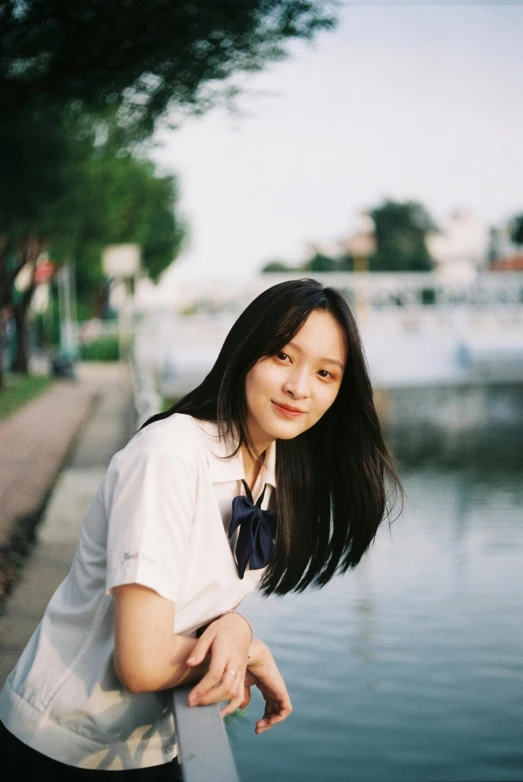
[
  {"x": 102, "y": 402},
  {"x": 34, "y": 443}
]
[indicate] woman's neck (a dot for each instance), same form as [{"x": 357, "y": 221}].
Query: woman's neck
[{"x": 252, "y": 467}]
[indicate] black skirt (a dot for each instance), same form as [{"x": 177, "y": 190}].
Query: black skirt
[{"x": 21, "y": 762}]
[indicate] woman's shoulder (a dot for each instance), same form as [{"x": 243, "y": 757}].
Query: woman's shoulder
[{"x": 178, "y": 435}]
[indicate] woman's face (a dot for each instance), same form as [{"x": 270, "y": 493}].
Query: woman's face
[{"x": 287, "y": 393}]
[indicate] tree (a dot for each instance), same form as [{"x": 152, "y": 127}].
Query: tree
[
  {"x": 345, "y": 263},
  {"x": 33, "y": 154},
  {"x": 143, "y": 56},
  {"x": 132, "y": 204},
  {"x": 516, "y": 230},
  {"x": 401, "y": 232},
  {"x": 110, "y": 196},
  {"x": 114, "y": 196},
  {"x": 320, "y": 263},
  {"x": 132, "y": 58},
  {"x": 316, "y": 263},
  {"x": 273, "y": 267},
  {"x": 21, "y": 301}
]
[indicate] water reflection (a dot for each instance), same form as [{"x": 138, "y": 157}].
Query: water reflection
[
  {"x": 476, "y": 425},
  {"x": 411, "y": 667}
]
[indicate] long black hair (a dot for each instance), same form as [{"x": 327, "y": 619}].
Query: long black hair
[{"x": 336, "y": 481}]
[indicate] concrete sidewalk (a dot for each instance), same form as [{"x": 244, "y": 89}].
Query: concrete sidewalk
[{"x": 100, "y": 405}]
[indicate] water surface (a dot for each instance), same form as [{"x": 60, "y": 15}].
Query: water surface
[{"x": 410, "y": 667}]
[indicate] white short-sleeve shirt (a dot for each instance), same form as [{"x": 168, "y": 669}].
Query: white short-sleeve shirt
[{"x": 160, "y": 519}]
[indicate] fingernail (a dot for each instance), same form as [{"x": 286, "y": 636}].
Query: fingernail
[{"x": 191, "y": 660}]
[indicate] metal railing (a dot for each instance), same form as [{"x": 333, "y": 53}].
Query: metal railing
[{"x": 203, "y": 746}]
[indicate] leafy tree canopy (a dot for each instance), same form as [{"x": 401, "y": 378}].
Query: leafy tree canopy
[
  {"x": 401, "y": 230},
  {"x": 320, "y": 263},
  {"x": 127, "y": 58},
  {"x": 516, "y": 230},
  {"x": 273, "y": 267},
  {"x": 112, "y": 197},
  {"x": 96, "y": 193},
  {"x": 143, "y": 55},
  {"x": 33, "y": 154}
]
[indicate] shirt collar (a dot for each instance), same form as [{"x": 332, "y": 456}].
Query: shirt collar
[{"x": 223, "y": 466}]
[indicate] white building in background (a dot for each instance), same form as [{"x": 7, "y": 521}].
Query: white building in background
[{"x": 461, "y": 248}]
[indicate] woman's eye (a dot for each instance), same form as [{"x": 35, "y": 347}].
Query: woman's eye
[
  {"x": 324, "y": 373},
  {"x": 282, "y": 356}
]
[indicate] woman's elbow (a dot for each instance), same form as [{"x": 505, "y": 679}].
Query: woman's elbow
[
  {"x": 138, "y": 677},
  {"x": 135, "y": 685},
  {"x": 135, "y": 678}
]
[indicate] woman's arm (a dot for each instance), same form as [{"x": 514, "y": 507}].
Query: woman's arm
[{"x": 149, "y": 656}]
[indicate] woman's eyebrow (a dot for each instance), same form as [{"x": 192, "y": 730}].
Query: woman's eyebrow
[
  {"x": 323, "y": 359},
  {"x": 326, "y": 360}
]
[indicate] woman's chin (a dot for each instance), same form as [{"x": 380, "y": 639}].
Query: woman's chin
[{"x": 285, "y": 430}]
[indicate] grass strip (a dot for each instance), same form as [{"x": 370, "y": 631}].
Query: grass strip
[{"x": 20, "y": 389}]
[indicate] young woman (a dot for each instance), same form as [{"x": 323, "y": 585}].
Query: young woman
[{"x": 272, "y": 473}]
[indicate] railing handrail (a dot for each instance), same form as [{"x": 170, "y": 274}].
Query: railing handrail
[{"x": 203, "y": 746}]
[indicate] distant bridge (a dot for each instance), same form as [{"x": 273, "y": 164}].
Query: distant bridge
[
  {"x": 381, "y": 290},
  {"x": 419, "y": 330}
]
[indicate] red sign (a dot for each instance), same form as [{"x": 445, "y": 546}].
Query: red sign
[{"x": 44, "y": 271}]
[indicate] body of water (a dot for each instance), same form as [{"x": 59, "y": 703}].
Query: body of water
[{"x": 410, "y": 668}]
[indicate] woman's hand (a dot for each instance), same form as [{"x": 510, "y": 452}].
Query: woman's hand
[
  {"x": 263, "y": 673},
  {"x": 225, "y": 646}
]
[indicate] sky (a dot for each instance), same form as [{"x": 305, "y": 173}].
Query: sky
[{"x": 407, "y": 101}]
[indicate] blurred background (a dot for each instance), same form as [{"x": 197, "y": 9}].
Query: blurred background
[{"x": 163, "y": 163}]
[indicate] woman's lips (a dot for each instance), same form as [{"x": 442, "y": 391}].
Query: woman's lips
[{"x": 287, "y": 412}]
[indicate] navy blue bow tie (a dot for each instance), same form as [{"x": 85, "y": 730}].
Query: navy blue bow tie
[{"x": 257, "y": 530}]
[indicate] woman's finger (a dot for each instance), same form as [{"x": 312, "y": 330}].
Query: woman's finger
[
  {"x": 221, "y": 692},
  {"x": 210, "y": 681},
  {"x": 275, "y": 712},
  {"x": 218, "y": 683},
  {"x": 267, "y": 723},
  {"x": 246, "y": 697},
  {"x": 235, "y": 702},
  {"x": 202, "y": 647}
]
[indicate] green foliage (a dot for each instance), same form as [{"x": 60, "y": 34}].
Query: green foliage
[
  {"x": 274, "y": 267},
  {"x": 104, "y": 348},
  {"x": 129, "y": 61},
  {"x": 112, "y": 196},
  {"x": 32, "y": 159},
  {"x": 143, "y": 56},
  {"x": 20, "y": 389},
  {"x": 69, "y": 180},
  {"x": 46, "y": 325},
  {"x": 401, "y": 231},
  {"x": 428, "y": 296},
  {"x": 516, "y": 230},
  {"x": 345, "y": 263},
  {"x": 320, "y": 263}
]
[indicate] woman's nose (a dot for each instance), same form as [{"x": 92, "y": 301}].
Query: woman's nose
[{"x": 297, "y": 384}]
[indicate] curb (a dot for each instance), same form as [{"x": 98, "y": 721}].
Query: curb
[{"x": 19, "y": 530}]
